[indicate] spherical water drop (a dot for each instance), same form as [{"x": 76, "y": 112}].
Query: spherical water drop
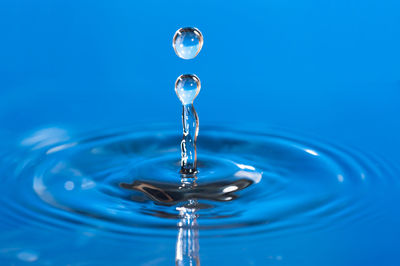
[
  {"x": 187, "y": 87},
  {"x": 187, "y": 42}
]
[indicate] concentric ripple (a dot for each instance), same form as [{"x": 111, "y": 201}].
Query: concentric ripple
[{"x": 128, "y": 182}]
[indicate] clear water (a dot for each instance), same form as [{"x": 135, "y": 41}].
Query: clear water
[
  {"x": 187, "y": 87},
  {"x": 120, "y": 192},
  {"x": 190, "y": 123},
  {"x": 187, "y": 42},
  {"x": 71, "y": 195}
]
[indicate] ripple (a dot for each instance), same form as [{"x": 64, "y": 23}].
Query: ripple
[{"x": 128, "y": 182}]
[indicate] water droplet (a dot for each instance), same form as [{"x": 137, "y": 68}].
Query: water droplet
[
  {"x": 187, "y": 42},
  {"x": 69, "y": 185},
  {"x": 187, "y": 87}
]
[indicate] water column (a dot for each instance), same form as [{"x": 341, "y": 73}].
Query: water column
[
  {"x": 187, "y": 43},
  {"x": 187, "y": 87},
  {"x": 187, "y": 244}
]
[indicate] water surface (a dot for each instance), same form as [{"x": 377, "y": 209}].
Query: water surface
[{"x": 259, "y": 197}]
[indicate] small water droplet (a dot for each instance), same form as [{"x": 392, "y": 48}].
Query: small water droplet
[
  {"x": 187, "y": 87},
  {"x": 187, "y": 42},
  {"x": 69, "y": 185}
]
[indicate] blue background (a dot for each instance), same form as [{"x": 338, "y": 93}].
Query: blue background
[
  {"x": 329, "y": 69},
  {"x": 325, "y": 68}
]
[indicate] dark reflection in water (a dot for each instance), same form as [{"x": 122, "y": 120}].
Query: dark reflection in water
[
  {"x": 188, "y": 192},
  {"x": 171, "y": 194}
]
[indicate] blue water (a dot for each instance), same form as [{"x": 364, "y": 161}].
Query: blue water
[{"x": 302, "y": 95}]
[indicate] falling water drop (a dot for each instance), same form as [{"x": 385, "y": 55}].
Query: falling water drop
[
  {"x": 187, "y": 42},
  {"x": 187, "y": 87}
]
